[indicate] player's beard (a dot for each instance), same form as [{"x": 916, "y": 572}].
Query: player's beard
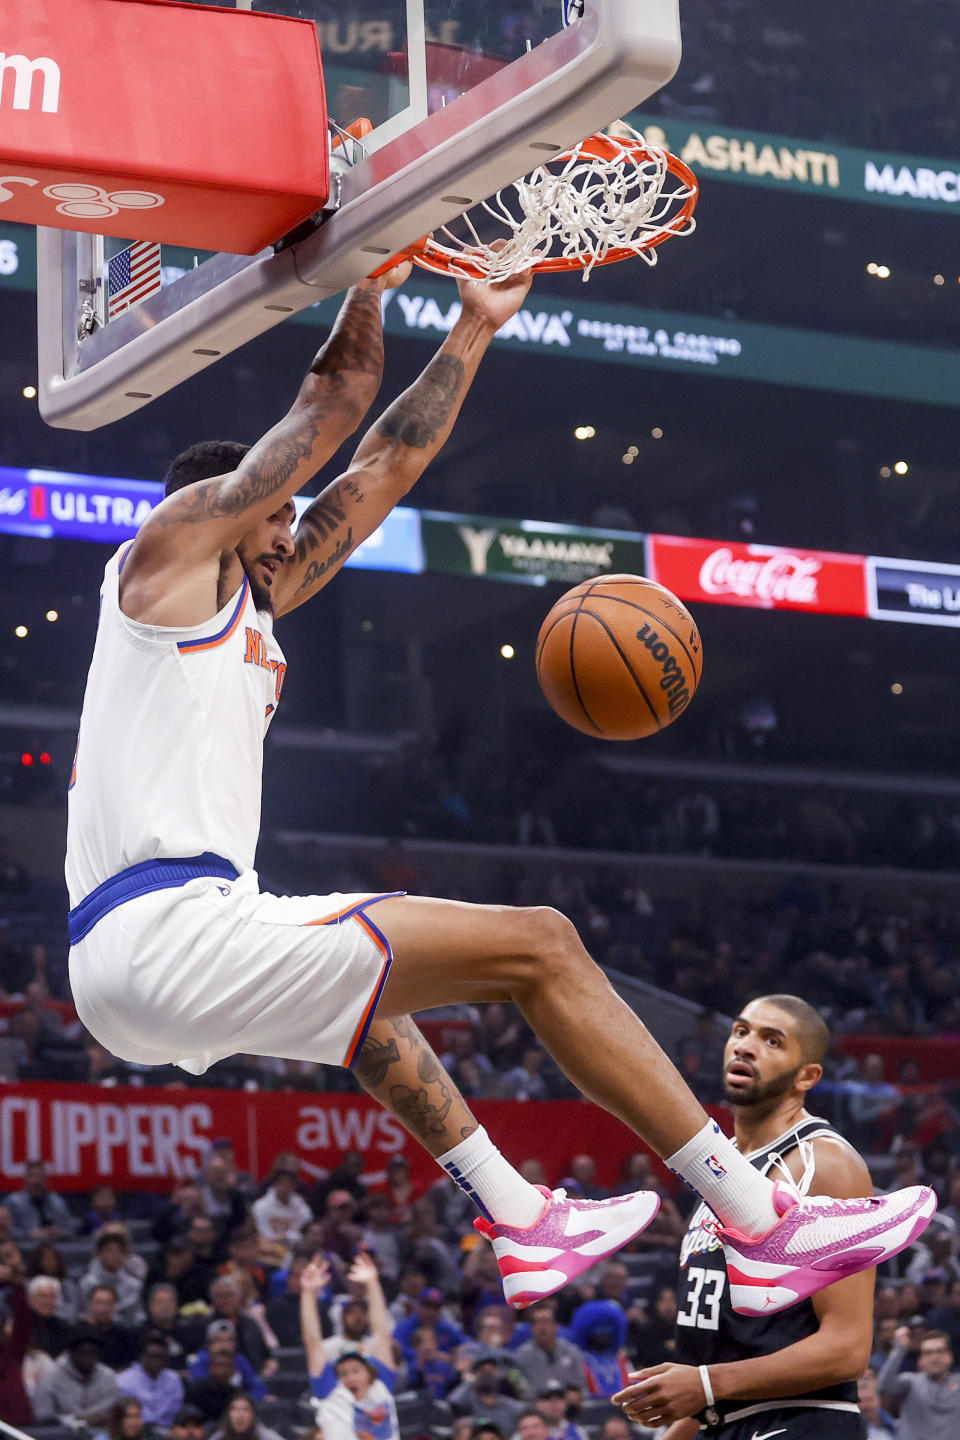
[
  {"x": 262, "y": 599},
  {"x": 760, "y": 1092}
]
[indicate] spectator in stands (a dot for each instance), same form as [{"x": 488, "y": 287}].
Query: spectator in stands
[
  {"x": 599, "y": 1328},
  {"x": 428, "y": 1316},
  {"x": 430, "y": 1370},
  {"x": 124, "y": 1420},
  {"x": 354, "y": 1390},
  {"x": 870, "y": 1102},
  {"x": 110, "y": 1267},
  {"x": 652, "y": 1336},
  {"x": 36, "y": 1212},
  {"x": 411, "y": 1285},
  {"x": 222, "y": 1201},
  {"x": 184, "y": 1206},
  {"x": 583, "y": 1169},
  {"x": 151, "y": 1381},
  {"x": 401, "y": 1189},
  {"x": 103, "y": 1210},
  {"x": 546, "y": 1358},
  {"x": 531, "y": 1425},
  {"x": 382, "y": 1237},
  {"x": 243, "y": 1250},
  {"x": 454, "y": 1209},
  {"x": 118, "y": 1342},
  {"x": 339, "y": 1234},
  {"x": 281, "y": 1213},
  {"x": 485, "y": 1391},
  {"x": 351, "y": 1324},
  {"x": 347, "y": 1175},
  {"x": 241, "y": 1422},
  {"x": 283, "y": 1311},
  {"x": 490, "y": 1333},
  {"x": 163, "y": 1318},
  {"x": 187, "y": 1424},
  {"x": 50, "y": 1332},
  {"x": 200, "y": 1271},
  {"x": 218, "y": 1374},
  {"x": 226, "y": 1303},
  {"x": 525, "y": 1081},
  {"x": 80, "y": 1386},
  {"x": 929, "y": 1402},
  {"x": 427, "y": 1250},
  {"x": 946, "y": 1317},
  {"x": 45, "y": 1259},
  {"x": 14, "y": 1339},
  {"x": 552, "y": 1405},
  {"x": 879, "y": 1424},
  {"x": 480, "y": 1282}
]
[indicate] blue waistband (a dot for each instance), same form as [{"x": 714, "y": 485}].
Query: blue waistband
[{"x": 141, "y": 880}]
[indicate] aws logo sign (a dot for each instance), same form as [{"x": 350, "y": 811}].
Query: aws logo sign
[{"x": 19, "y": 89}]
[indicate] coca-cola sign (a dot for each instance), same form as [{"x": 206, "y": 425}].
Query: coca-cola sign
[{"x": 765, "y": 576}]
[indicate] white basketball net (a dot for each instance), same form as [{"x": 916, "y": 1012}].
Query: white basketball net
[{"x": 583, "y": 208}]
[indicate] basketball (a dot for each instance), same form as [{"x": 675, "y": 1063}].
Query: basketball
[{"x": 619, "y": 657}]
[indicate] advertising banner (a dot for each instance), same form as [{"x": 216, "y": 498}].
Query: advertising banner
[
  {"x": 764, "y": 576},
  {"x": 752, "y": 157},
  {"x": 150, "y": 1139},
  {"x": 913, "y": 590},
  {"x": 47, "y": 503},
  {"x": 531, "y": 551}
]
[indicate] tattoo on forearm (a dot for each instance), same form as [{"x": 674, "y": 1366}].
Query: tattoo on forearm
[
  {"x": 356, "y": 340},
  {"x": 260, "y": 478},
  {"x": 375, "y": 1059},
  {"x": 424, "y": 410},
  {"x": 318, "y": 523},
  {"x": 318, "y": 568}
]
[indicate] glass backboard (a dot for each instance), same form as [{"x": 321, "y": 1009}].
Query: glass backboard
[{"x": 464, "y": 96}]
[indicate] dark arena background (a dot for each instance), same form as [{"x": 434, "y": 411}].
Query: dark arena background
[{"x": 768, "y": 422}]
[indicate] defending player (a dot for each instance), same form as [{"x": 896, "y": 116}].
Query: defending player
[
  {"x": 791, "y": 1375},
  {"x": 176, "y": 955}
]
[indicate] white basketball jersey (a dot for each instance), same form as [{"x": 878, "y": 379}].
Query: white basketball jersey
[{"x": 170, "y": 752}]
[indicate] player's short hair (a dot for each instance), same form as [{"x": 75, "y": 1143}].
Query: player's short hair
[
  {"x": 811, "y": 1028},
  {"x": 202, "y": 462}
]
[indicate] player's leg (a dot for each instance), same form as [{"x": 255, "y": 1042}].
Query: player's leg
[
  {"x": 446, "y": 952},
  {"x": 542, "y": 1239}
]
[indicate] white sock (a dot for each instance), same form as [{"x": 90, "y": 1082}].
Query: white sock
[
  {"x": 499, "y": 1192},
  {"x": 734, "y": 1189}
]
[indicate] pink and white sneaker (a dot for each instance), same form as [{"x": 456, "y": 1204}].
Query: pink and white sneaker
[
  {"x": 817, "y": 1241},
  {"x": 569, "y": 1237}
]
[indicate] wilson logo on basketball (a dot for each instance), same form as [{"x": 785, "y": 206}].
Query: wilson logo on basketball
[
  {"x": 783, "y": 577},
  {"x": 671, "y": 681}
]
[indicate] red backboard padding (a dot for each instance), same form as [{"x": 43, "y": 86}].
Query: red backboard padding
[{"x": 158, "y": 120}]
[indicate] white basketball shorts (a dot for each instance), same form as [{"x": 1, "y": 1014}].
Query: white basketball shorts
[{"x": 192, "y": 974}]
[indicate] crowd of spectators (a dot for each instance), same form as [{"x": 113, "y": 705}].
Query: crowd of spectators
[
  {"x": 805, "y": 70},
  {"x": 229, "y": 1309}
]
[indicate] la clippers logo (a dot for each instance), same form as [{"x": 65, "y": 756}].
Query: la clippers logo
[{"x": 715, "y": 1168}]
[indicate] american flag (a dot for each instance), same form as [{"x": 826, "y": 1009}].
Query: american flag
[{"x": 132, "y": 275}]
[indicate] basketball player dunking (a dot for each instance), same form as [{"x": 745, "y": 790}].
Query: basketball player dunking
[
  {"x": 177, "y": 956},
  {"x": 791, "y": 1375}
]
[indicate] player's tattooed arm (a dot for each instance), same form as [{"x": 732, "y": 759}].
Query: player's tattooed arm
[
  {"x": 425, "y": 410},
  {"x": 395, "y": 452},
  {"x": 333, "y": 399},
  {"x": 398, "y": 1067}
]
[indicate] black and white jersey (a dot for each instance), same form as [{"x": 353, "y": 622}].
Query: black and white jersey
[{"x": 710, "y": 1332}]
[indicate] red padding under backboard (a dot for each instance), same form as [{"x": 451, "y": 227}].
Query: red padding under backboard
[{"x": 160, "y": 120}]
